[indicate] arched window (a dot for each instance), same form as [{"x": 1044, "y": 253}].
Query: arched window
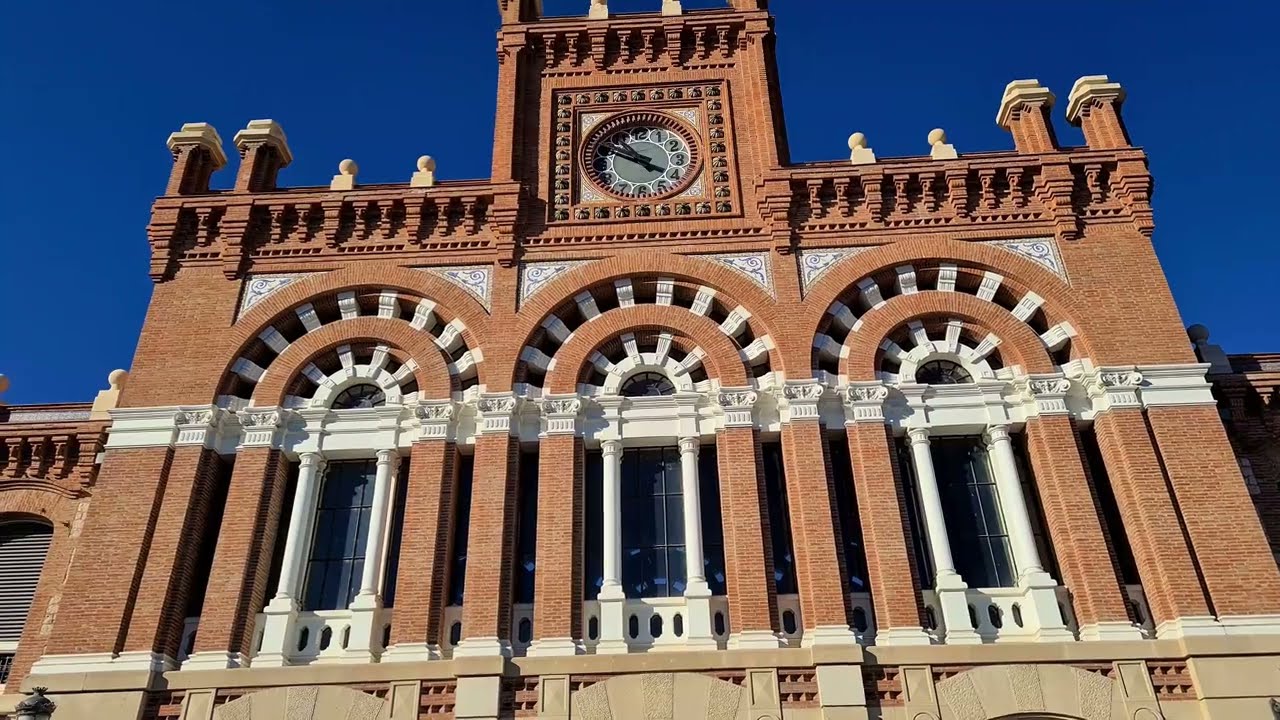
[
  {"x": 942, "y": 372},
  {"x": 648, "y": 384},
  {"x": 23, "y": 547},
  {"x": 360, "y": 396},
  {"x": 338, "y": 548}
]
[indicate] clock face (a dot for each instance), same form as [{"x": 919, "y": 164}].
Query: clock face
[{"x": 641, "y": 158}]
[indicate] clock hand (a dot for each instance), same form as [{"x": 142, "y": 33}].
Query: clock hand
[{"x": 631, "y": 154}]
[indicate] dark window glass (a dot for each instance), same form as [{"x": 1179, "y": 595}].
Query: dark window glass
[
  {"x": 341, "y": 532},
  {"x": 593, "y": 555},
  {"x": 846, "y": 500},
  {"x": 391, "y": 573},
  {"x": 363, "y": 395},
  {"x": 1112, "y": 521},
  {"x": 653, "y": 558},
  {"x": 775, "y": 478},
  {"x": 461, "y": 530},
  {"x": 649, "y": 384},
  {"x": 712, "y": 520},
  {"x": 942, "y": 372},
  {"x": 975, "y": 524},
  {"x": 527, "y": 538},
  {"x": 915, "y": 515},
  {"x": 1031, "y": 491}
]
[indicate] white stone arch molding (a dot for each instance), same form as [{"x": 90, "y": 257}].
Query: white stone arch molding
[
  {"x": 844, "y": 315},
  {"x": 953, "y": 346},
  {"x": 733, "y": 319},
  {"x": 422, "y": 314}
]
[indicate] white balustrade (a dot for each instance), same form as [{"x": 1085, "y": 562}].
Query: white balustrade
[
  {"x": 188, "y": 643},
  {"x": 1137, "y": 600},
  {"x": 656, "y": 624},
  {"x": 789, "y": 619},
  {"x": 521, "y": 629},
  {"x": 864, "y": 617},
  {"x": 451, "y": 630},
  {"x": 323, "y": 636},
  {"x": 998, "y": 615}
]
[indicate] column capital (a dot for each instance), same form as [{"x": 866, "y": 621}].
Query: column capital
[
  {"x": 864, "y": 402},
  {"x": 996, "y": 434},
  {"x": 561, "y": 415},
  {"x": 737, "y": 404},
  {"x": 1114, "y": 388},
  {"x": 310, "y": 459},
  {"x": 436, "y": 418},
  {"x": 263, "y": 427},
  {"x": 198, "y": 426},
  {"x": 918, "y": 435},
  {"x": 611, "y": 447},
  {"x": 496, "y": 412},
  {"x": 800, "y": 399},
  {"x": 387, "y": 456},
  {"x": 1048, "y": 392},
  {"x": 690, "y": 445}
]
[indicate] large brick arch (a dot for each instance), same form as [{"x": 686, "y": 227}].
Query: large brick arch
[
  {"x": 42, "y": 504},
  {"x": 1059, "y": 301},
  {"x": 451, "y": 303},
  {"x": 730, "y": 286},
  {"x": 1019, "y": 344},
  {"x": 722, "y": 360},
  {"x": 432, "y": 373}
]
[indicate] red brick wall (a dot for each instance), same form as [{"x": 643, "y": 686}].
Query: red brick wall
[
  {"x": 753, "y": 601},
  {"x": 558, "y": 583},
  {"x": 818, "y": 570},
  {"x": 425, "y": 544}
]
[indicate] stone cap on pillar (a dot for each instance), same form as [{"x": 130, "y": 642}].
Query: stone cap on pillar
[
  {"x": 1024, "y": 112},
  {"x": 1088, "y": 89},
  {"x": 268, "y": 132},
  {"x": 1019, "y": 93},
  {"x": 203, "y": 135}
]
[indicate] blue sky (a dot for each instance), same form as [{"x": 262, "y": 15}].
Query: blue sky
[{"x": 92, "y": 90}]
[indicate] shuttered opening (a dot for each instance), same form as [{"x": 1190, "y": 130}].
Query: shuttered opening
[{"x": 23, "y": 547}]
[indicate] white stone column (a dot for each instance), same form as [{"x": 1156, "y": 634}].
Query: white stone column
[
  {"x": 281, "y": 614},
  {"x": 949, "y": 587},
  {"x": 1013, "y": 503},
  {"x": 1040, "y": 611},
  {"x": 301, "y": 521},
  {"x": 697, "y": 594},
  {"x": 366, "y": 609},
  {"x": 612, "y": 598}
]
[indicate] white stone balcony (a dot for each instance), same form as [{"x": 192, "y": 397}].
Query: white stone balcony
[
  {"x": 792, "y": 623},
  {"x": 326, "y": 637},
  {"x": 999, "y": 615},
  {"x": 657, "y": 624}
]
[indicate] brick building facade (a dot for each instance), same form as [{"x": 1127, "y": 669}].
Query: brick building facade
[{"x": 656, "y": 423}]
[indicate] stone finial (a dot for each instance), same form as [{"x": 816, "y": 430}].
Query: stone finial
[
  {"x": 672, "y": 7},
  {"x": 197, "y": 155},
  {"x": 426, "y": 175},
  {"x": 1024, "y": 111},
  {"x": 1207, "y": 352},
  {"x": 107, "y": 400},
  {"x": 940, "y": 149},
  {"x": 861, "y": 154},
  {"x": 599, "y": 10},
  {"x": 1094, "y": 106},
  {"x": 346, "y": 177},
  {"x": 264, "y": 151}
]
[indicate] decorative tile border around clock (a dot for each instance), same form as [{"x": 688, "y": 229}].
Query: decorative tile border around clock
[
  {"x": 260, "y": 287},
  {"x": 1042, "y": 251},
  {"x": 475, "y": 279},
  {"x": 535, "y": 276}
]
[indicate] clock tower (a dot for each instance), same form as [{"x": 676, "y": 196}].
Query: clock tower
[{"x": 635, "y": 126}]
